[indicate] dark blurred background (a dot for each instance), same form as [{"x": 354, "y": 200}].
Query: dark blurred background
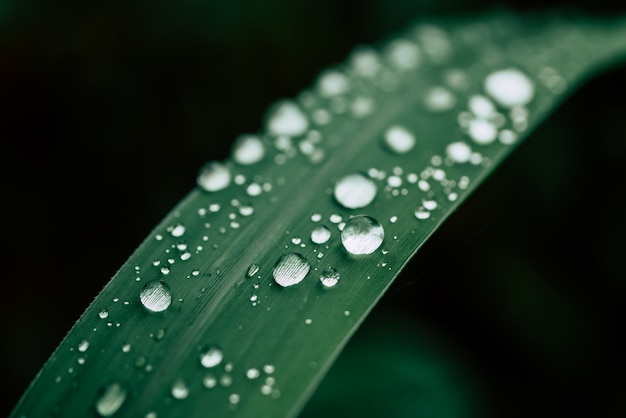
[{"x": 108, "y": 110}]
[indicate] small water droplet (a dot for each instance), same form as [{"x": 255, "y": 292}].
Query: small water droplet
[
  {"x": 110, "y": 400},
  {"x": 180, "y": 389},
  {"x": 459, "y": 152},
  {"x": 290, "y": 269},
  {"x": 269, "y": 368},
  {"x": 156, "y": 296},
  {"x": 83, "y": 346},
  {"x": 334, "y": 218},
  {"x": 211, "y": 356},
  {"x": 248, "y": 150},
  {"x": 329, "y": 277},
  {"x": 252, "y": 270},
  {"x": 287, "y": 119},
  {"x": 482, "y": 131},
  {"x": 320, "y": 235},
  {"x": 355, "y": 191},
  {"x": 507, "y": 137},
  {"x": 481, "y": 106},
  {"x": 362, "y": 106},
  {"x": 365, "y": 62},
  {"x": 439, "y": 99},
  {"x": 214, "y": 176},
  {"x": 510, "y": 87},
  {"x": 254, "y": 189},
  {"x": 399, "y": 139},
  {"x": 226, "y": 380},
  {"x": 316, "y": 217},
  {"x": 209, "y": 381},
  {"x": 126, "y": 347},
  {"x": 103, "y": 313},
  {"x": 362, "y": 235},
  {"x": 246, "y": 210},
  {"x": 252, "y": 373},
  {"x": 421, "y": 213},
  {"x": 234, "y": 398},
  {"x": 333, "y": 83},
  {"x": 404, "y": 54},
  {"x": 296, "y": 240}
]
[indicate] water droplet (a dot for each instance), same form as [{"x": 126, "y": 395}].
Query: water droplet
[
  {"x": 211, "y": 356},
  {"x": 439, "y": 99},
  {"x": 329, "y": 277},
  {"x": 510, "y": 87},
  {"x": 362, "y": 235},
  {"x": 399, "y": 139},
  {"x": 482, "y": 131},
  {"x": 180, "y": 389},
  {"x": 252, "y": 373},
  {"x": 403, "y": 54},
  {"x": 459, "y": 152},
  {"x": 126, "y": 347},
  {"x": 481, "y": 107},
  {"x": 110, "y": 400},
  {"x": 429, "y": 204},
  {"x": 103, "y": 313},
  {"x": 296, "y": 240},
  {"x": 362, "y": 106},
  {"x": 209, "y": 381},
  {"x": 214, "y": 176},
  {"x": 421, "y": 213},
  {"x": 83, "y": 346},
  {"x": 248, "y": 150},
  {"x": 234, "y": 398},
  {"x": 334, "y": 218},
  {"x": 287, "y": 119},
  {"x": 156, "y": 296},
  {"x": 254, "y": 189},
  {"x": 320, "y": 235},
  {"x": 365, "y": 62},
  {"x": 269, "y": 368},
  {"x": 333, "y": 83},
  {"x": 507, "y": 136},
  {"x": 252, "y": 270},
  {"x": 290, "y": 269},
  {"x": 355, "y": 191},
  {"x": 177, "y": 230},
  {"x": 246, "y": 210},
  {"x": 226, "y": 380}
]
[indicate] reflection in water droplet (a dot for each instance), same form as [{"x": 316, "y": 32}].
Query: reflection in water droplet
[
  {"x": 362, "y": 235},
  {"x": 459, "y": 152},
  {"x": 180, "y": 389},
  {"x": 103, "y": 313},
  {"x": 510, "y": 87},
  {"x": 177, "y": 230},
  {"x": 83, "y": 346},
  {"x": 252, "y": 270},
  {"x": 320, "y": 235},
  {"x": 355, "y": 191},
  {"x": 399, "y": 139},
  {"x": 290, "y": 269},
  {"x": 156, "y": 296},
  {"x": 214, "y": 176},
  {"x": 110, "y": 400},
  {"x": 288, "y": 120},
  {"x": 421, "y": 213},
  {"x": 211, "y": 356},
  {"x": 248, "y": 149},
  {"x": 329, "y": 277}
]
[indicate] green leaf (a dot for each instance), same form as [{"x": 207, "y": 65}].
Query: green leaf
[{"x": 400, "y": 117}]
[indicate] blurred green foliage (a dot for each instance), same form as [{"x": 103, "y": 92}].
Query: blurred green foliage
[{"x": 514, "y": 308}]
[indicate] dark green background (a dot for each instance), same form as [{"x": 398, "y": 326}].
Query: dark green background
[{"x": 514, "y": 308}]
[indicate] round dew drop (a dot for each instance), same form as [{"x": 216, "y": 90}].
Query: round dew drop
[
  {"x": 362, "y": 235},
  {"x": 329, "y": 277},
  {"x": 211, "y": 356},
  {"x": 355, "y": 191},
  {"x": 459, "y": 152},
  {"x": 156, "y": 296},
  {"x": 333, "y": 83},
  {"x": 214, "y": 176},
  {"x": 481, "y": 107},
  {"x": 248, "y": 150},
  {"x": 290, "y": 269},
  {"x": 111, "y": 399},
  {"x": 287, "y": 119},
  {"x": 510, "y": 87},
  {"x": 482, "y": 131},
  {"x": 439, "y": 99},
  {"x": 404, "y": 55},
  {"x": 399, "y": 139},
  {"x": 320, "y": 235},
  {"x": 180, "y": 389}
]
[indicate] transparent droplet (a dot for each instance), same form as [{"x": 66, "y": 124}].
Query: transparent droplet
[
  {"x": 103, "y": 313},
  {"x": 399, "y": 139},
  {"x": 110, "y": 400},
  {"x": 362, "y": 106},
  {"x": 254, "y": 189},
  {"x": 248, "y": 149},
  {"x": 429, "y": 204},
  {"x": 211, "y": 356},
  {"x": 252, "y": 373},
  {"x": 320, "y": 235},
  {"x": 355, "y": 191},
  {"x": 365, "y": 62},
  {"x": 177, "y": 230},
  {"x": 510, "y": 87},
  {"x": 209, "y": 381},
  {"x": 482, "y": 131},
  {"x": 329, "y": 277},
  {"x": 404, "y": 54},
  {"x": 156, "y": 296},
  {"x": 507, "y": 137},
  {"x": 287, "y": 119},
  {"x": 290, "y": 269},
  {"x": 180, "y": 389},
  {"x": 362, "y": 235},
  {"x": 439, "y": 99},
  {"x": 234, "y": 398},
  {"x": 459, "y": 152},
  {"x": 333, "y": 83},
  {"x": 83, "y": 346},
  {"x": 252, "y": 270},
  {"x": 421, "y": 213},
  {"x": 246, "y": 210},
  {"x": 481, "y": 106},
  {"x": 214, "y": 176}
]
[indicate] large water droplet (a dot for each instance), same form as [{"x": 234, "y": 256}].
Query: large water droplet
[
  {"x": 211, "y": 356},
  {"x": 320, "y": 235},
  {"x": 110, "y": 400},
  {"x": 355, "y": 191},
  {"x": 329, "y": 277},
  {"x": 510, "y": 87},
  {"x": 214, "y": 176},
  {"x": 362, "y": 235},
  {"x": 288, "y": 120},
  {"x": 399, "y": 139},
  {"x": 156, "y": 296},
  {"x": 248, "y": 149},
  {"x": 290, "y": 269}
]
